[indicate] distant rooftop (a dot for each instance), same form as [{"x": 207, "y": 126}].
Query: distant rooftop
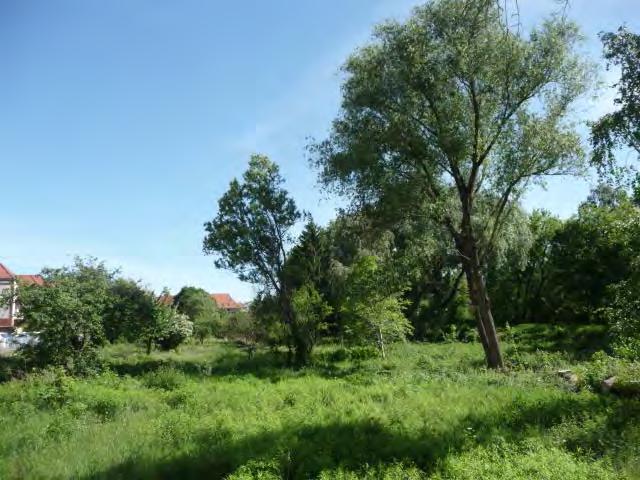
[
  {"x": 6, "y": 274},
  {"x": 225, "y": 301}
]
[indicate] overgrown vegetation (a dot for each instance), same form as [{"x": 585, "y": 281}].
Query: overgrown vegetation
[
  {"x": 427, "y": 411},
  {"x": 446, "y": 120}
]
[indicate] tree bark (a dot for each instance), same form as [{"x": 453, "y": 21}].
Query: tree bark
[{"x": 479, "y": 297}]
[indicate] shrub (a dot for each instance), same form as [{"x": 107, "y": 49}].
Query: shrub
[
  {"x": 55, "y": 389},
  {"x": 165, "y": 378},
  {"x": 178, "y": 329},
  {"x": 310, "y": 312},
  {"x": 105, "y": 408},
  {"x": 623, "y": 317}
]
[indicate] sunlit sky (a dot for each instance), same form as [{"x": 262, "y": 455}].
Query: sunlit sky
[{"x": 122, "y": 122}]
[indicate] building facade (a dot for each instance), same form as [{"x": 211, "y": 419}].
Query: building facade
[{"x": 9, "y": 286}]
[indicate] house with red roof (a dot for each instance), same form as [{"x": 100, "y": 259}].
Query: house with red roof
[
  {"x": 9, "y": 284},
  {"x": 226, "y": 302}
]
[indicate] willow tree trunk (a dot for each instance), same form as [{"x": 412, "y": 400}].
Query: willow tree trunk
[{"x": 480, "y": 303}]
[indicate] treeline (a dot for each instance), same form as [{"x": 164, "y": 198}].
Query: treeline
[
  {"x": 82, "y": 307},
  {"x": 359, "y": 281},
  {"x": 572, "y": 270},
  {"x": 447, "y": 119}
]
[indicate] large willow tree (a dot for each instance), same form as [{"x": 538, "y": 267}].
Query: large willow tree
[{"x": 457, "y": 110}]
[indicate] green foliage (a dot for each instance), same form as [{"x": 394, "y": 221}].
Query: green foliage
[
  {"x": 310, "y": 311},
  {"x": 593, "y": 251},
  {"x": 621, "y": 127},
  {"x": 452, "y": 115},
  {"x": 196, "y": 303},
  {"x": 204, "y": 328},
  {"x": 250, "y": 232},
  {"x": 623, "y": 316},
  {"x": 266, "y": 325},
  {"x": 573, "y": 268},
  {"x": 68, "y": 312},
  {"x": 130, "y": 308},
  {"x": 201, "y": 309},
  {"x": 309, "y": 259},
  {"x": 519, "y": 285},
  {"x": 526, "y": 461},
  {"x": 56, "y": 388},
  {"x": 374, "y": 314},
  {"x": 243, "y": 326},
  {"x": 429, "y": 411},
  {"x": 165, "y": 378},
  {"x": 355, "y": 353}
]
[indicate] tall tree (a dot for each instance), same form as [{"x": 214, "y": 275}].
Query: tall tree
[
  {"x": 251, "y": 233},
  {"x": 373, "y": 305},
  {"x": 449, "y": 107}
]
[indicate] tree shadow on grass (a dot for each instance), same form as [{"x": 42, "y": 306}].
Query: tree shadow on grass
[
  {"x": 305, "y": 451},
  {"x": 266, "y": 365}
]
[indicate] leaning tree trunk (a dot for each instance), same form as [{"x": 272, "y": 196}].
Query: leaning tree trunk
[{"x": 480, "y": 303}]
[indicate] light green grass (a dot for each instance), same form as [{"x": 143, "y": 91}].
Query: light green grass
[{"x": 429, "y": 411}]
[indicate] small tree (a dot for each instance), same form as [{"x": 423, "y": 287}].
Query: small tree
[
  {"x": 250, "y": 233},
  {"x": 177, "y": 329},
  {"x": 374, "y": 314},
  {"x": 68, "y": 312},
  {"x": 201, "y": 309},
  {"x": 130, "y": 308},
  {"x": 623, "y": 317},
  {"x": 263, "y": 324},
  {"x": 310, "y": 311},
  {"x": 306, "y": 274},
  {"x": 165, "y": 327},
  {"x": 204, "y": 328}
]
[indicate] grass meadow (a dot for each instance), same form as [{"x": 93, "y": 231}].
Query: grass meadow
[{"x": 430, "y": 411}]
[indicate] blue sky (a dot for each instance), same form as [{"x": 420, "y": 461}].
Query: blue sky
[{"x": 122, "y": 122}]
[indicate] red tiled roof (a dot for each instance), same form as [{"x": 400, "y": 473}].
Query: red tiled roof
[
  {"x": 165, "y": 299},
  {"x": 224, "y": 300},
  {"x": 5, "y": 273},
  {"x": 31, "y": 279}
]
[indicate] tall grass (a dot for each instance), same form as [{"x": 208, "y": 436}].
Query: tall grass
[{"x": 429, "y": 411}]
